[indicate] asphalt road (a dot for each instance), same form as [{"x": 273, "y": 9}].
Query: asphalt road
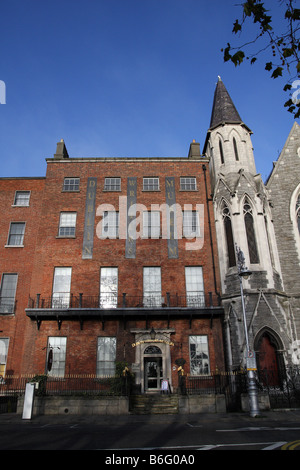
[{"x": 152, "y": 437}]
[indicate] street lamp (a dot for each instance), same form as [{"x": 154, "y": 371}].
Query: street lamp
[{"x": 243, "y": 272}]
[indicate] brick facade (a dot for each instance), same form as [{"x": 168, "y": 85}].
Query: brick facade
[{"x": 35, "y": 320}]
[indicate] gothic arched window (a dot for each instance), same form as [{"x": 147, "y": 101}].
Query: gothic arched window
[
  {"x": 236, "y": 153},
  {"x": 228, "y": 234},
  {"x": 251, "y": 239},
  {"x": 298, "y": 212},
  {"x": 221, "y": 151}
]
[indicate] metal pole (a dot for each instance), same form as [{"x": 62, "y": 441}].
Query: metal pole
[{"x": 252, "y": 388}]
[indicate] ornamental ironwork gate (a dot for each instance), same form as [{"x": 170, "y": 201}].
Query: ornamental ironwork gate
[{"x": 283, "y": 386}]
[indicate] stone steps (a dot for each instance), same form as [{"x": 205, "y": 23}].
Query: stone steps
[{"x": 153, "y": 404}]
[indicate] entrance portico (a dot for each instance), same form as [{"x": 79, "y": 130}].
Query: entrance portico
[{"x": 152, "y": 358}]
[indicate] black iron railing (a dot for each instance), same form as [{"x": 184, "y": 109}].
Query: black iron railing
[
  {"x": 75, "y": 385},
  {"x": 107, "y": 301}
]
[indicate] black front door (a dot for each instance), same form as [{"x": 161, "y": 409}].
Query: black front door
[{"x": 153, "y": 373}]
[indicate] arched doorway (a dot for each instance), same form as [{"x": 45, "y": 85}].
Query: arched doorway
[
  {"x": 153, "y": 368},
  {"x": 269, "y": 358}
]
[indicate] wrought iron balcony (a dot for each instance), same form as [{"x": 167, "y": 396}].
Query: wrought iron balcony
[
  {"x": 65, "y": 306},
  {"x": 66, "y": 300}
]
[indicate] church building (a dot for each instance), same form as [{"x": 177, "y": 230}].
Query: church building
[{"x": 262, "y": 221}]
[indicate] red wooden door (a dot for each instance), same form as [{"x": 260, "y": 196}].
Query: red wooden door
[{"x": 268, "y": 365}]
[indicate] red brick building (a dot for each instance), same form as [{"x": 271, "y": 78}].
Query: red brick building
[{"x": 107, "y": 260}]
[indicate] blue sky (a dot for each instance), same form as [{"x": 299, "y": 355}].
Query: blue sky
[{"x": 132, "y": 78}]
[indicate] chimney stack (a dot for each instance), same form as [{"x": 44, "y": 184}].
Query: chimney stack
[
  {"x": 194, "y": 151},
  {"x": 61, "y": 150}
]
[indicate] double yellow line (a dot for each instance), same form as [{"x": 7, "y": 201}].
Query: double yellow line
[{"x": 291, "y": 445}]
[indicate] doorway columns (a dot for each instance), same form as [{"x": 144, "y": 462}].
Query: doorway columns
[{"x": 142, "y": 341}]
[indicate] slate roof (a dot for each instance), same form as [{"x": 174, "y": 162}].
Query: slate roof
[{"x": 223, "y": 110}]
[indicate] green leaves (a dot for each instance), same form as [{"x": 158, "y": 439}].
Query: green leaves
[
  {"x": 283, "y": 47},
  {"x": 236, "y": 58},
  {"x": 237, "y": 27},
  {"x": 277, "y": 72}
]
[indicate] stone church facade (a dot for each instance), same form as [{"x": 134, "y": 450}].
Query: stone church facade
[{"x": 262, "y": 221}]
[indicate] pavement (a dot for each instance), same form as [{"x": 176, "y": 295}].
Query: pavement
[{"x": 266, "y": 418}]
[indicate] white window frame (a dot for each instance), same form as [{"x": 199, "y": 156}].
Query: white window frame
[
  {"x": 20, "y": 201},
  {"x": 20, "y": 234},
  {"x": 191, "y": 224},
  {"x": 61, "y": 293},
  {"x": 151, "y": 224},
  {"x": 188, "y": 183},
  {"x": 194, "y": 286},
  {"x": 152, "y": 287},
  {"x": 4, "y": 345},
  {"x": 71, "y": 184},
  {"x": 108, "y": 287},
  {"x": 58, "y": 346},
  {"x": 112, "y": 184},
  {"x": 110, "y": 224},
  {"x": 106, "y": 356},
  {"x": 199, "y": 355},
  {"x": 67, "y": 224},
  {"x": 151, "y": 183},
  {"x": 7, "y": 303}
]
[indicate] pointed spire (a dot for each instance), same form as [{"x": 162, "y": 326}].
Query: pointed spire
[{"x": 223, "y": 110}]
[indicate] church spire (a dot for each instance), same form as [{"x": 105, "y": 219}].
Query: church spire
[{"x": 224, "y": 111}]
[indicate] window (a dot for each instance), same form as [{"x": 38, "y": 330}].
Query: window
[
  {"x": 22, "y": 198},
  {"x": 188, "y": 184},
  {"x": 56, "y": 349},
  {"x": 109, "y": 287},
  {"x": 152, "y": 287},
  {"x": 191, "y": 226},
  {"x": 106, "y": 356},
  {"x": 236, "y": 153},
  {"x": 228, "y": 234},
  {"x": 221, "y": 151},
  {"x": 8, "y": 293},
  {"x": 199, "y": 355},
  {"x": 112, "y": 184},
  {"x": 151, "y": 184},
  {"x": 61, "y": 288},
  {"x": 71, "y": 184},
  {"x": 251, "y": 239},
  {"x": 194, "y": 286},
  {"x": 298, "y": 212},
  {"x": 151, "y": 224},
  {"x": 3, "y": 355},
  {"x": 67, "y": 224},
  {"x": 16, "y": 234},
  {"x": 110, "y": 224}
]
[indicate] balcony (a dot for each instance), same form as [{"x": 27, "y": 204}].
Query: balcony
[{"x": 66, "y": 306}]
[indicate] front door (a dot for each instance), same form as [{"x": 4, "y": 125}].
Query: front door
[
  {"x": 153, "y": 373},
  {"x": 267, "y": 362}
]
